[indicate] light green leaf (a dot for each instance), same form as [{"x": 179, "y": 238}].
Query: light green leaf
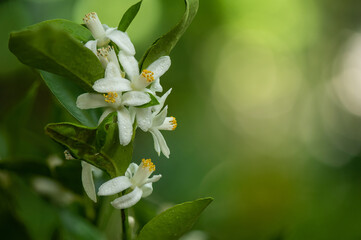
[
  {"x": 67, "y": 91},
  {"x": 128, "y": 16},
  {"x": 164, "y": 45},
  {"x": 97, "y": 146},
  {"x": 174, "y": 222},
  {"x": 153, "y": 101},
  {"x": 55, "y": 46}
]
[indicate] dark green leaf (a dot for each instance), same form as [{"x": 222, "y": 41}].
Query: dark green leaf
[
  {"x": 174, "y": 222},
  {"x": 164, "y": 45},
  {"x": 128, "y": 16},
  {"x": 97, "y": 146},
  {"x": 153, "y": 102},
  {"x": 66, "y": 91},
  {"x": 55, "y": 46}
]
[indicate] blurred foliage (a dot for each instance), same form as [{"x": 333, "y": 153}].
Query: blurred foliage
[{"x": 264, "y": 93}]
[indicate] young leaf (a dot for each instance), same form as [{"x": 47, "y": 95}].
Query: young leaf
[
  {"x": 128, "y": 17},
  {"x": 66, "y": 91},
  {"x": 153, "y": 102},
  {"x": 164, "y": 45},
  {"x": 55, "y": 46},
  {"x": 174, "y": 222}
]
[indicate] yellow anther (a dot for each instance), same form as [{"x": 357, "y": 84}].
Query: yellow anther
[
  {"x": 149, "y": 75},
  {"x": 110, "y": 97},
  {"x": 173, "y": 121},
  {"x": 88, "y": 16},
  {"x": 104, "y": 52},
  {"x": 147, "y": 163}
]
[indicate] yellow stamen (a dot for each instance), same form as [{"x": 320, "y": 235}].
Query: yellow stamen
[
  {"x": 104, "y": 52},
  {"x": 173, "y": 122},
  {"x": 88, "y": 16},
  {"x": 147, "y": 163},
  {"x": 149, "y": 75},
  {"x": 110, "y": 97}
]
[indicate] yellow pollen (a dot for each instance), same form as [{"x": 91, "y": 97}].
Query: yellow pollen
[
  {"x": 147, "y": 163},
  {"x": 104, "y": 52},
  {"x": 110, "y": 97},
  {"x": 89, "y": 16},
  {"x": 173, "y": 122},
  {"x": 149, "y": 75}
]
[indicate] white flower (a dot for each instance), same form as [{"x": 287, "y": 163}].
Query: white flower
[
  {"x": 137, "y": 179},
  {"x": 103, "y": 34},
  {"x": 114, "y": 100}
]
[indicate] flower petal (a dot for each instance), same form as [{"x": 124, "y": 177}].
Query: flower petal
[
  {"x": 155, "y": 86},
  {"x": 147, "y": 189},
  {"x": 105, "y": 114},
  {"x": 159, "y": 119},
  {"x": 92, "y": 45},
  {"x": 112, "y": 71},
  {"x": 135, "y": 98},
  {"x": 128, "y": 200},
  {"x": 106, "y": 85},
  {"x": 125, "y": 126},
  {"x": 156, "y": 143},
  {"x": 114, "y": 186},
  {"x": 90, "y": 100},
  {"x": 162, "y": 143},
  {"x": 155, "y": 178},
  {"x": 144, "y": 118},
  {"x": 159, "y": 66},
  {"x": 161, "y": 101},
  {"x": 131, "y": 170},
  {"x": 130, "y": 65},
  {"x": 88, "y": 181},
  {"x": 121, "y": 39}
]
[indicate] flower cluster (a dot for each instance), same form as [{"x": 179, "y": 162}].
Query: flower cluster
[{"x": 127, "y": 90}]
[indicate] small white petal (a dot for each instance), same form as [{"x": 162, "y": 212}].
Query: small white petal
[
  {"x": 125, "y": 126},
  {"x": 159, "y": 119},
  {"x": 155, "y": 86},
  {"x": 162, "y": 143},
  {"x": 90, "y": 100},
  {"x": 130, "y": 65},
  {"x": 132, "y": 111},
  {"x": 105, "y": 114},
  {"x": 92, "y": 45},
  {"x": 106, "y": 85},
  {"x": 114, "y": 186},
  {"x": 159, "y": 66},
  {"x": 112, "y": 71},
  {"x": 135, "y": 98},
  {"x": 155, "y": 178},
  {"x": 161, "y": 101},
  {"x": 144, "y": 118},
  {"x": 131, "y": 170},
  {"x": 128, "y": 200},
  {"x": 147, "y": 189},
  {"x": 88, "y": 181},
  {"x": 121, "y": 39},
  {"x": 156, "y": 143}
]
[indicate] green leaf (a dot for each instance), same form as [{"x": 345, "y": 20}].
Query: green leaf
[
  {"x": 67, "y": 91},
  {"x": 153, "y": 102},
  {"x": 174, "y": 222},
  {"x": 164, "y": 45},
  {"x": 97, "y": 146},
  {"x": 129, "y": 16},
  {"x": 55, "y": 46}
]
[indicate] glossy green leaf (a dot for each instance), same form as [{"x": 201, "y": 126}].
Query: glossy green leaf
[
  {"x": 128, "y": 16},
  {"x": 153, "y": 101},
  {"x": 67, "y": 91},
  {"x": 97, "y": 146},
  {"x": 57, "y": 46},
  {"x": 164, "y": 45},
  {"x": 174, "y": 222}
]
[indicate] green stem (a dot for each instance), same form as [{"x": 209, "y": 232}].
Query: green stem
[{"x": 125, "y": 225}]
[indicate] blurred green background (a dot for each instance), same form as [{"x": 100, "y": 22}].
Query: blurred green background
[{"x": 267, "y": 99}]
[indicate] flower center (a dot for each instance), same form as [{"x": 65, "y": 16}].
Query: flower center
[
  {"x": 173, "y": 122},
  {"x": 147, "y": 163},
  {"x": 90, "y": 16},
  {"x": 149, "y": 75},
  {"x": 110, "y": 97}
]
